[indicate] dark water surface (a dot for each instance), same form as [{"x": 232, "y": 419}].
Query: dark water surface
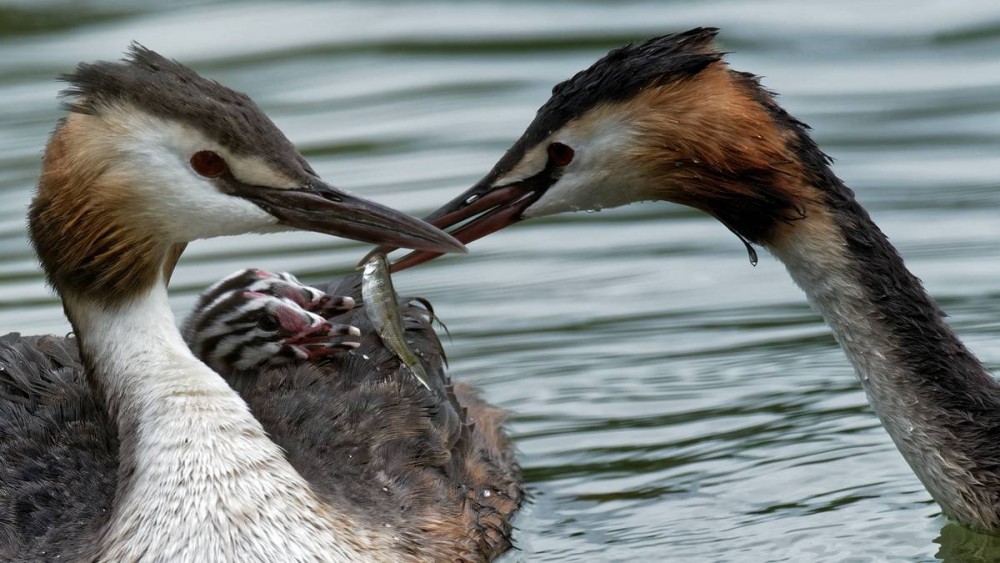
[{"x": 672, "y": 402}]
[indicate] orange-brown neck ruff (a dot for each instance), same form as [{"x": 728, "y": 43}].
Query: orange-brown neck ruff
[
  {"x": 85, "y": 225},
  {"x": 715, "y": 146},
  {"x": 746, "y": 161}
]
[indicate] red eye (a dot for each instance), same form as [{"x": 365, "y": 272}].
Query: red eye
[
  {"x": 208, "y": 164},
  {"x": 560, "y": 154}
]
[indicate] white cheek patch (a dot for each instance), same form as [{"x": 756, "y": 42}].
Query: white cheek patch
[
  {"x": 154, "y": 160},
  {"x": 599, "y": 177}
]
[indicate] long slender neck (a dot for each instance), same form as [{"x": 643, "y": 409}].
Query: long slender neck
[
  {"x": 939, "y": 404},
  {"x": 198, "y": 477}
]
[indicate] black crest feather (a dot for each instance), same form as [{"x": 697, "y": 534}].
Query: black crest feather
[{"x": 626, "y": 71}]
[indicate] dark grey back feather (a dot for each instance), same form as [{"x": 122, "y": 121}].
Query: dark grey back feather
[{"x": 58, "y": 452}]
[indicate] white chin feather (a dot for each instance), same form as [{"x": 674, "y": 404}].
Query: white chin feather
[
  {"x": 216, "y": 214},
  {"x": 587, "y": 192}
]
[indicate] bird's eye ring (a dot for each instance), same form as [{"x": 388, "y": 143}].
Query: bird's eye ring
[
  {"x": 208, "y": 164},
  {"x": 268, "y": 323},
  {"x": 560, "y": 154}
]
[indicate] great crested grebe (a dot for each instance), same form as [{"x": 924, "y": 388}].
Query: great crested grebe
[
  {"x": 668, "y": 120},
  {"x": 151, "y": 455}
]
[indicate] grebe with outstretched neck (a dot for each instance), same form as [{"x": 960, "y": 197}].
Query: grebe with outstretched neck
[
  {"x": 668, "y": 120},
  {"x": 147, "y": 454}
]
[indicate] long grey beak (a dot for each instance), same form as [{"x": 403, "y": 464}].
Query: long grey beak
[{"x": 324, "y": 209}]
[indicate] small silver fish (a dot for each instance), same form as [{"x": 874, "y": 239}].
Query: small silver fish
[{"x": 382, "y": 307}]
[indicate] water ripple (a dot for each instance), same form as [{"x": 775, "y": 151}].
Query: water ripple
[{"x": 671, "y": 402}]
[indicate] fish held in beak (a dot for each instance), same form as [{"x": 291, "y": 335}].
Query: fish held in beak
[{"x": 478, "y": 212}]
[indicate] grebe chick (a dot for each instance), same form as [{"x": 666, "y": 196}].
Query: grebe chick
[{"x": 256, "y": 319}]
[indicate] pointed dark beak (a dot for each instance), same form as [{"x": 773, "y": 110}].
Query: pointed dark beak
[{"x": 325, "y": 209}]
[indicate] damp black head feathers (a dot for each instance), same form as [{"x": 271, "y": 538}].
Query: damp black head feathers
[{"x": 626, "y": 71}]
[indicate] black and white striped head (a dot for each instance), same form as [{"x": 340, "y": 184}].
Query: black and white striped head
[
  {"x": 256, "y": 319},
  {"x": 277, "y": 284}
]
